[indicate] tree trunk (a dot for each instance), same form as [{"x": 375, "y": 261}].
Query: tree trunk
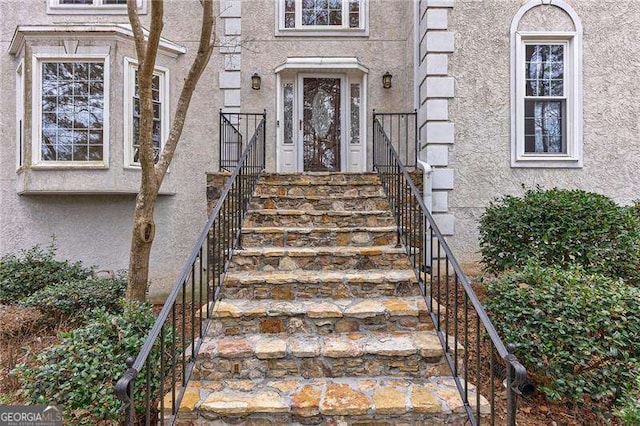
[{"x": 141, "y": 241}]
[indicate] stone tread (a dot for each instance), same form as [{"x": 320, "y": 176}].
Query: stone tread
[
  {"x": 309, "y": 229},
  {"x": 318, "y": 251},
  {"x": 298, "y": 212},
  {"x": 412, "y": 306},
  {"x": 337, "y": 345},
  {"x": 312, "y": 277},
  {"x": 300, "y": 397}
]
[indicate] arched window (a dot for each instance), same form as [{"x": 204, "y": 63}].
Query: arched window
[{"x": 546, "y": 85}]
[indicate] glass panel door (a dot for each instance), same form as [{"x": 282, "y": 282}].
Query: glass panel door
[{"x": 321, "y": 124}]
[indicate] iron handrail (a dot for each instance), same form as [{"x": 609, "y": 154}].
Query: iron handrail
[
  {"x": 208, "y": 260},
  {"x": 400, "y": 130},
  {"x": 405, "y": 199},
  {"x": 235, "y": 127}
]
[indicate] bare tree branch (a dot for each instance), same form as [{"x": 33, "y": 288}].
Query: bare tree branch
[
  {"x": 136, "y": 27},
  {"x": 205, "y": 49}
]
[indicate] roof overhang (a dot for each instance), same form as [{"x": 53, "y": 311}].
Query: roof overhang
[
  {"x": 322, "y": 63},
  {"x": 123, "y": 31}
]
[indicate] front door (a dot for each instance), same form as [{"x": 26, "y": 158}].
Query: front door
[{"x": 321, "y": 124}]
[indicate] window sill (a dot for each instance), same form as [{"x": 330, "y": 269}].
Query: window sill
[
  {"x": 322, "y": 33},
  {"x": 89, "y": 165},
  {"x": 551, "y": 162}
]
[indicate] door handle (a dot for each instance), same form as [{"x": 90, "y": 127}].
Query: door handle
[{"x": 300, "y": 124}]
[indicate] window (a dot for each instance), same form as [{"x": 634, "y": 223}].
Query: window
[
  {"x": 355, "y": 113},
  {"x": 92, "y": 6},
  {"x": 546, "y": 93},
  {"x": 132, "y": 112},
  {"x": 70, "y": 119},
  {"x": 545, "y": 101},
  {"x": 321, "y": 16}
]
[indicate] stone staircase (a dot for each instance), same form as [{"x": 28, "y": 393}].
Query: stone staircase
[{"x": 321, "y": 320}]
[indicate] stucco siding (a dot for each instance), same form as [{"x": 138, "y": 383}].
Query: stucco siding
[
  {"x": 96, "y": 228},
  {"x": 481, "y": 108}
]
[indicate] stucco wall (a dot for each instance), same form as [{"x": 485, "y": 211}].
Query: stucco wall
[
  {"x": 481, "y": 108},
  {"x": 96, "y": 228}
]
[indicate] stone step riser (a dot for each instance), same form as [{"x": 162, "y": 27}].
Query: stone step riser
[
  {"x": 410, "y": 419},
  {"x": 273, "y": 218},
  {"x": 321, "y": 179},
  {"x": 413, "y": 366},
  {"x": 320, "y": 262},
  {"x": 320, "y": 190},
  {"x": 332, "y": 290},
  {"x": 318, "y": 238},
  {"x": 320, "y": 203},
  {"x": 318, "y": 326}
]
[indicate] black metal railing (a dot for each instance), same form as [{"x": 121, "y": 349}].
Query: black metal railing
[
  {"x": 473, "y": 350},
  {"x": 402, "y": 130},
  {"x": 154, "y": 383},
  {"x": 235, "y": 129}
]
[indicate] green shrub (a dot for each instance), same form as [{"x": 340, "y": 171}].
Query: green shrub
[
  {"x": 561, "y": 227},
  {"x": 577, "y": 333},
  {"x": 80, "y": 372},
  {"x": 31, "y": 270},
  {"x": 629, "y": 414},
  {"x": 73, "y": 298}
]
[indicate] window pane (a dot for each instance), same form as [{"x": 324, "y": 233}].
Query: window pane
[
  {"x": 355, "y": 113},
  {"x": 69, "y": 108},
  {"x": 115, "y": 2},
  {"x": 544, "y": 126},
  {"x": 76, "y": 1},
  {"x": 354, "y": 13},
  {"x": 322, "y": 12},
  {"x": 288, "y": 114},
  {"x": 544, "y": 69}
]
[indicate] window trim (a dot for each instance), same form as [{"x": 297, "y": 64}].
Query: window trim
[
  {"x": 20, "y": 98},
  {"x": 130, "y": 67},
  {"x": 36, "y": 115},
  {"x": 573, "y": 86},
  {"x": 97, "y": 8},
  {"x": 322, "y": 30}
]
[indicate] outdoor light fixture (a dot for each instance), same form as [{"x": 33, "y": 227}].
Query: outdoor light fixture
[
  {"x": 386, "y": 80},
  {"x": 256, "y": 81}
]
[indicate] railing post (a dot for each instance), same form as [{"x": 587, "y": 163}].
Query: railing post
[
  {"x": 264, "y": 138},
  {"x": 373, "y": 132},
  {"x": 220, "y": 139},
  {"x": 511, "y": 395}
]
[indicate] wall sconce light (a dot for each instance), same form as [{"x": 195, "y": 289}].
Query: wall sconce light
[
  {"x": 386, "y": 80},
  {"x": 256, "y": 81}
]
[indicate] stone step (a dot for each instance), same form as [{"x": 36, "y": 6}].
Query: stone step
[
  {"x": 313, "y": 284},
  {"x": 319, "y": 316},
  {"x": 319, "y": 258},
  {"x": 320, "y": 178},
  {"x": 336, "y": 202},
  {"x": 362, "y": 236},
  {"x": 315, "y": 190},
  {"x": 303, "y": 218},
  {"x": 408, "y": 354},
  {"x": 346, "y": 401}
]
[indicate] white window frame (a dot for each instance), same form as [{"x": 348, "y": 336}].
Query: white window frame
[
  {"x": 130, "y": 68},
  {"x": 20, "y": 81},
  {"x": 36, "y": 116},
  {"x": 323, "y": 30},
  {"x": 55, "y": 7},
  {"x": 573, "y": 92}
]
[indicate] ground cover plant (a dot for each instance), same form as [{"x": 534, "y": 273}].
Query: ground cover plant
[
  {"x": 79, "y": 373},
  {"x": 31, "y": 270}
]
